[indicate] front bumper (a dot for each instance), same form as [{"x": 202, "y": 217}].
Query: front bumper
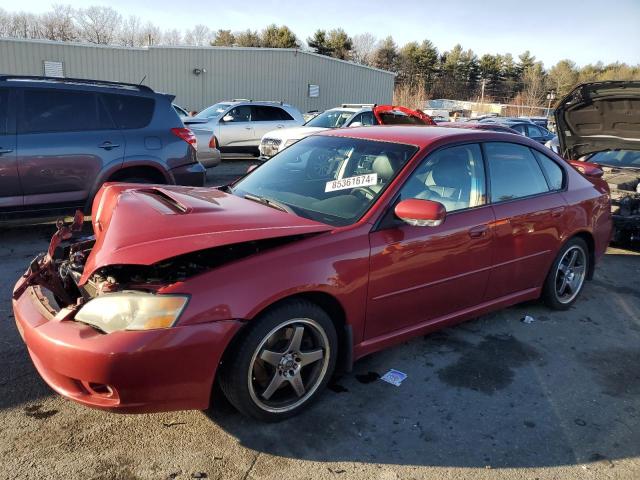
[
  {"x": 127, "y": 372},
  {"x": 192, "y": 175}
]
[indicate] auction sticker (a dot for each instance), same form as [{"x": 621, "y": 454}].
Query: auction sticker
[{"x": 352, "y": 182}]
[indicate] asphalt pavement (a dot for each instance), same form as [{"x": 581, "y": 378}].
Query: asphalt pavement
[{"x": 493, "y": 398}]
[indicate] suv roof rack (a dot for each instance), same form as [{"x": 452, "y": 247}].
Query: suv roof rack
[
  {"x": 82, "y": 81},
  {"x": 277, "y": 102},
  {"x": 358, "y": 105}
]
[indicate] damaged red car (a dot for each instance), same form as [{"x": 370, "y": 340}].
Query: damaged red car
[{"x": 343, "y": 244}]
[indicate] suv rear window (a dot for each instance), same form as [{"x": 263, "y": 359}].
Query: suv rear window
[
  {"x": 46, "y": 110},
  {"x": 129, "y": 111}
]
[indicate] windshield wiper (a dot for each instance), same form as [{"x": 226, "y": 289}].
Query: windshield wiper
[{"x": 269, "y": 202}]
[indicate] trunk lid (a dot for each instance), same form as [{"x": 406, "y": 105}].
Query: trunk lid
[
  {"x": 599, "y": 116},
  {"x": 142, "y": 225}
]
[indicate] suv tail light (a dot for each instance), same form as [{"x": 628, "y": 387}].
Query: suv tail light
[
  {"x": 186, "y": 135},
  {"x": 213, "y": 143}
]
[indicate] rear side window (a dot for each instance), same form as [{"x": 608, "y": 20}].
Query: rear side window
[
  {"x": 554, "y": 174},
  {"x": 513, "y": 172},
  {"x": 269, "y": 114},
  {"x": 129, "y": 111},
  {"x": 4, "y": 111},
  {"x": 58, "y": 110}
]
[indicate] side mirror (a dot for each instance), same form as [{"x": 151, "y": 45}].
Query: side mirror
[
  {"x": 356, "y": 124},
  {"x": 420, "y": 213},
  {"x": 227, "y": 118}
]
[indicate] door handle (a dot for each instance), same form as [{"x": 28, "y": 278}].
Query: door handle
[
  {"x": 248, "y": 128},
  {"x": 108, "y": 145},
  {"x": 5, "y": 150},
  {"x": 479, "y": 231}
]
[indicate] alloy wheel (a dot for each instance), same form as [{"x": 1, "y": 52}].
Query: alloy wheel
[
  {"x": 289, "y": 365},
  {"x": 570, "y": 274}
]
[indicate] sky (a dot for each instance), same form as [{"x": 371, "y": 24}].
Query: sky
[{"x": 584, "y": 31}]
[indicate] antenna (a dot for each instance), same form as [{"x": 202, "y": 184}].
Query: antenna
[{"x": 143, "y": 79}]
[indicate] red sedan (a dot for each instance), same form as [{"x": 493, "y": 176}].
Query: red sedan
[{"x": 343, "y": 244}]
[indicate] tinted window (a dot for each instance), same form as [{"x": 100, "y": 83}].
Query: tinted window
[
  {"x": 56, "y": 111},
  {"x": 129, "y": 111},
  {"x": 239, "y": 114},
  {"x": 269, "y": 114},
  {"x": 213, "y": 111},
  {"x": 368, "y": 118},
  {"x": 452, "y": 176},
  {"x": 4, "y": 111},
  {"x": 513, "y": 172},
  {"x": 519, "y": 129},
  {"x": 555, "y": 176}
]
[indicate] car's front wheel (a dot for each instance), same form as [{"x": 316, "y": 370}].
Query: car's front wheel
[
  {"x": 567, "y": 275},
  {"x": 282, "y": 362}
]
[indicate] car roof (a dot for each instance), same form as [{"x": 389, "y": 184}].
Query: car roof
[
  {"x": 420, "y": 136},
  {"x": 272, "y": 103}
]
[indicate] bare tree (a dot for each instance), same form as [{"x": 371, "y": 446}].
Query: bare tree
[
  {"x": 59, "y": 24},
  {"x": 172, "y": 37},
  {"x": 199, "y": 36},
  {"x": 534, "y": 85},
  {"x": 24, "y": 25},
  {"x": 130, "y": 33},
  {"x": 98, "y": 24},
  {"x": 5, "y": 23},
  {"x": 150, "y": 35},
  {"x": 363, "y": 47}
]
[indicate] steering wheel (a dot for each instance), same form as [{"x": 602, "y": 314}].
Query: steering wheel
[
  {"x": 318, "y": 165},
  {"x": 363, "y": 192}
]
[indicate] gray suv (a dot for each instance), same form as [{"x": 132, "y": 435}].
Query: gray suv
[{"x": 61, "y": 139}]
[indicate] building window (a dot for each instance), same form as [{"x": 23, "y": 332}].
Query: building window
[{"x": 314, "y": 91}]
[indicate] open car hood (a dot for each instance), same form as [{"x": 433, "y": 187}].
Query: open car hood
[
  {"x": 599, "y": 116},
  {"x": 396, "y": 115},
  {"x": 143, "y": 225}
]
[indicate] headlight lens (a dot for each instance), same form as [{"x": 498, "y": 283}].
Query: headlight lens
[{"x": 132, "y": 311}]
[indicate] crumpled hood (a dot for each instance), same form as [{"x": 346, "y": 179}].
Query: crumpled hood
[
  {"x": 599, "y": 116},
  {"x": 144, "y": 224},
  {"x": 294, "y": 133}
]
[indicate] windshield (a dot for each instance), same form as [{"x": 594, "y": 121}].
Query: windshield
[
  {"x": 330, "y": 119},
  {"x": 333, "y": 180},
  {"x": 213, "y": 111},
  {"x": 617, "y": 158}
]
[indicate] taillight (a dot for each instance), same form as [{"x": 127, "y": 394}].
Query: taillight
[
  {"x": 213, "y": 142},
  {"x": 588, "y": 169},
  {"x": 186, "y": 135}
]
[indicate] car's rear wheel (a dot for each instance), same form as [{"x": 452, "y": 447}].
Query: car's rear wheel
[
  {"x": 282, "y": 362},
  {"x": 567, "y": 275}
]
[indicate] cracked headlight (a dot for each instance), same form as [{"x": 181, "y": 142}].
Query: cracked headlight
[{"x": 113, "y": 312}]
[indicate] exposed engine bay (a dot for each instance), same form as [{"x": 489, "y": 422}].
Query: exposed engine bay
[
  {"x": 625, "y": 202},
  {"x": 60, "y": 270}
]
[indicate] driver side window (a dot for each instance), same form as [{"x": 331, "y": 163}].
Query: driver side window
[
  {"x": 453, "y": 176},
  {"x": 239, "y": 114}
]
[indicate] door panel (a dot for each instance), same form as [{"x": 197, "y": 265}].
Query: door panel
[
  {"x": 236, "y": 129},
  {"x": 10, "y": 187},
  {"x": 528, "y": 216},
  {"x": 421, "y": 273},
  {"x": 526, "y": 237},
  {"x": 65, "y": 139}
]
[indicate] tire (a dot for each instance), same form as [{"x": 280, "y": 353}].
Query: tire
[
  {"x": 262, "y": 379},
  {"x": 565, "y": 279}
]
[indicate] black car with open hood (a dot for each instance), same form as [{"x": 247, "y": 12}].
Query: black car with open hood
[{"x": 599, "y": 123}]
